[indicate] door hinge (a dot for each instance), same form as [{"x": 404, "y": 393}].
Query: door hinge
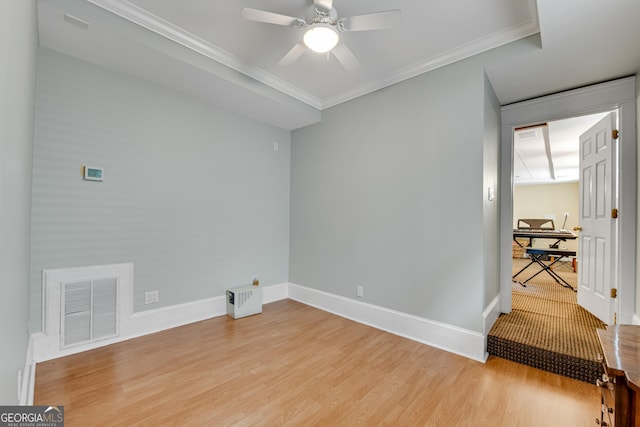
[
  {"x": 614, "y": 213},
  {"x": 615, "y": 318},
  {"x": 614, "y": 134},
  {"x": 614, "y": 293}
]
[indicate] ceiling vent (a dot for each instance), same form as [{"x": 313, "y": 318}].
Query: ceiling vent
[{"x": 527, "y": 134}]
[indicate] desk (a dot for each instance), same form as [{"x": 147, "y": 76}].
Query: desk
[
  {"x": 558, "y": 235},
  {"x": 538, "y": 254},
  {"x": 621, "y": 346}
]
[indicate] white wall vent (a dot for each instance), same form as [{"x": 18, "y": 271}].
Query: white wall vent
[
  {"x": 244, "y": 301},
  {"x": 89, "y": 311},
  {"x": 85, "y": 305}
]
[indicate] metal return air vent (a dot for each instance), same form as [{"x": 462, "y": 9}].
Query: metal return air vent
[{"x": 89, "y": 311}]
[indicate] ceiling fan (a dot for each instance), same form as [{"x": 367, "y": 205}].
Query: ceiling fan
[{"x": 324, "y": 27}]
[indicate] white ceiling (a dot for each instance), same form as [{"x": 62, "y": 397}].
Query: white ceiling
[
  {"x": 583, "y": 42},
  {"x": 205, "y": 48},
  {"x": 548, "y": 154}
]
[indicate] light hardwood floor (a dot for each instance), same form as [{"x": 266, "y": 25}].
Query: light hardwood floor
[{"x": 296, "y": 365}]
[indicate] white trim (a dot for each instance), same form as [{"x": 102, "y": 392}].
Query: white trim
[
  {"x": 491, "y": 41},
  {"x": 155, "y": 24},
  {"x": 28, "y": 380},
  {"x": 275, "y": 293},
  {"x": 151, "y": 22},
  {"x": 51, "y": 290},
  {"x": 436, "y": 334},
  {"x": 47, "y": 347},
  {"x": 464, "y": 342},
  {"x": 42, "y": 347},
  {"x": 491, "y": 314},
  {"x": 489, "y": 317},
  {"x": 616, "y": 94},
  {"x": 635, "y": 319},
  {"x": 571, "y": 103}
]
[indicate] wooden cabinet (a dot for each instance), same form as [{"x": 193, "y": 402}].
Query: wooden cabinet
[{"x": 621, "y": 352}]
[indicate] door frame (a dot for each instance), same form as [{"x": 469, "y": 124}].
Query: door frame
[{"x": 616, "y": 94}]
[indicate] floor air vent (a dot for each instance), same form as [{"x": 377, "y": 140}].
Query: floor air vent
[{"x": 89, "y": 310}]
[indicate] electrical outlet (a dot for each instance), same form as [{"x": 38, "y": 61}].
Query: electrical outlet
[
  {"x": 359, "y": 291},
  {"x": 151, "y": 297}
]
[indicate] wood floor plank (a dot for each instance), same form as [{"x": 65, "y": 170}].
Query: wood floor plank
[{"x": 295, "y": 365}]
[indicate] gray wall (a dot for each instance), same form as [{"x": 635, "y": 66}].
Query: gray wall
[
  {"x": 387, "y": 193},
  {"x": 195, "y": 197},
  {"x": 491, "y": 209},
  {"x": 18, "y": 44}
]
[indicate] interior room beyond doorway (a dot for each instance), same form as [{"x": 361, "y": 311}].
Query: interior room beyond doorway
[{"x": 546, "y": 179}]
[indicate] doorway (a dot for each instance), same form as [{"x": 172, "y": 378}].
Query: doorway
[
  {"x": 547, "y": 327},
  {"x": 617, "y": 94},
  {"x": 547, "y": 182}
]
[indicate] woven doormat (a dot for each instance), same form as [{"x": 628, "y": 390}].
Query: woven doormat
[{"x": 548, "y": 330}]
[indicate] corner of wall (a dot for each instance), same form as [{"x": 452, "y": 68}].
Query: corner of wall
[
  {"x": 491, "y": 314},
  {"x": 18, "y": 47}
]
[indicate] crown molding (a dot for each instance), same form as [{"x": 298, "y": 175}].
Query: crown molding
[
  {"x": 516, "y": 32},
  {"x": 153, "y": 23}
]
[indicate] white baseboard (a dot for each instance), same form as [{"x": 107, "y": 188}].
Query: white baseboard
[
  {"x": 149, "y": 321},
  {"x": 491, "y": 314},
  {"x": 42, "y": 347},
  {"x": 489, "y": 317},
  {"x": 275, "y": 293},
  {"x": 635, "y": 320},
  {"x": 28, "y": 379},
  {"x": 464, "y": 342}
]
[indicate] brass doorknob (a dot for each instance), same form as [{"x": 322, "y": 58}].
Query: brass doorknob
[{"x": 578, "y": 228}]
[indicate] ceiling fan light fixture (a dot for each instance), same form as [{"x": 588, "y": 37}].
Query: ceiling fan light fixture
[{"x": 321, "y": 38}]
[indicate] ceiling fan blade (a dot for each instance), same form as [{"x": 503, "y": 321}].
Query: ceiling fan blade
[
  {"x": 270, "y": 17},
  {"x": 346, "y": 57},
  {"x": 293, "y": 55},
  {"x": 371, "y": 21},
  {"x": 323, "y": 4}
]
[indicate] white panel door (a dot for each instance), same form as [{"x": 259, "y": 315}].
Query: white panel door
[{"x": 597, "y": 248}]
